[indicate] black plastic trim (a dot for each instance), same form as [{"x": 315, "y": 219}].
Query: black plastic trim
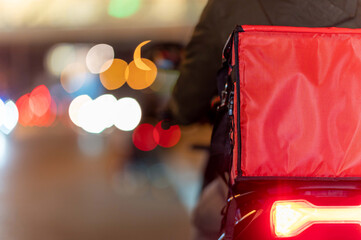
[{"x": 236, "y": 48}]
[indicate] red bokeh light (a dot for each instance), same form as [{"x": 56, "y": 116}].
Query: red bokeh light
[
  {"x": 48, "y": 118},
  {"x": 36, "y": 108},
  {"x": 40, "y": 100},
  {"x": 143, "y": 137},
  {"x": 166, "y": 137},
  {"x": 25, "y": 113}
]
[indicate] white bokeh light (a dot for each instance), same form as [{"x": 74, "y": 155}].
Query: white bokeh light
[
  {"x": 73, "y": 77},
  {"x": 105, "y": 105},
  {"x": 89, "y": 119},
  {"x": 99, "y": 58},
  {"x": 75, "y": 107},
  {"x": 63, "y": 54},
  {"x": 58, "y": 57},
  {"x": 2, "y": 112},
  {"x": 11, "y": 117},
  {"x": 94, "y": 116},
  {"x": 3, "y": 149},
  {"x": 127, "y": 114}
]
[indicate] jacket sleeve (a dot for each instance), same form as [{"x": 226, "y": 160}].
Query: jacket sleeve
[{"x": 196, "y": 85}]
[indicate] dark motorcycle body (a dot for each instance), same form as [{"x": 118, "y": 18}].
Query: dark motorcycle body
[{"x": 294, "y": 166}]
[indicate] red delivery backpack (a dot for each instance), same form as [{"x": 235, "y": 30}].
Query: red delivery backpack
[{"x": 293, "y": 102}]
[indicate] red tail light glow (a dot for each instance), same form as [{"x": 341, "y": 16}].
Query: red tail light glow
[{"x": 290, "y": 218}]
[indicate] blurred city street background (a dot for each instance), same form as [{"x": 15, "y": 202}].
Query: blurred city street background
[{"x": 83, "y": 154}]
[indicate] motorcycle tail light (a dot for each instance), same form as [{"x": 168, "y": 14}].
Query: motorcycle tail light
[{"x": 290, "y": 218}]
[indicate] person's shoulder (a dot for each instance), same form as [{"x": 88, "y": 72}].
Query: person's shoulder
[{"x": 227, "y": 14}]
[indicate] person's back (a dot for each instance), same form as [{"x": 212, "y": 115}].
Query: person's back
[
  {"x": 197, "y": 82},
  {"x": 196, "y": 86}
]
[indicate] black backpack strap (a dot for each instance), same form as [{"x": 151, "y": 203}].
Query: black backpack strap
[
  {"x": 221, "y": 146},
  {"x": 227, "y": 101}
]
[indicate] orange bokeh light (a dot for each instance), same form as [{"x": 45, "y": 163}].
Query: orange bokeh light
[
  {"x": 139, "y": 74},
  {"x": 138, "y": 78},
  {"x": 114, "y": 77}
]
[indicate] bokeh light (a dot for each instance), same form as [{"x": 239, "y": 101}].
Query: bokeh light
[
  {"x": 99, "y": 58},
  {"x": 75, "y": 106},
  {"x": 137, "y": 56},
  {"x": 92, "y": 86},
  {"x": 127, "y": 114},
  {"x": 73, "y": 77},
  {"x": 58, "y": 57},
  {"x": 139, "y": 79},
  {"x": 25, "y": 113},
  {"x": 83, "y": 112},
  {"x": 3, "y": 149},
  {"x": 94, "y": 116},
  {"x": 36, "y": 108},
  {"x": 89, "y": 119},
  {"x": 11, "y": 117},
  {"x": 123, "y": 8},
  {"x": 143, "y": 137},
  {"x": 141, "y": 72},
  {"x": 2, "y": 112},
  {"x": 105, "y": 107},
  {"x": 49, "y": 117},
  {"x": 166, "y": 137},
  {"x": 40, "y": 100},
  {"x": 114, "y": 77}
]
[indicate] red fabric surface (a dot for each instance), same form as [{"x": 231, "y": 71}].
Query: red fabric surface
[{"x": 300, "y": 102}]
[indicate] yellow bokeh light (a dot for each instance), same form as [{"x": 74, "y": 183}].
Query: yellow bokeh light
[
  {"x": 114, "y": 77},
  {"x": 138, "y": 78},
  {"x": 138, "y": 59}
]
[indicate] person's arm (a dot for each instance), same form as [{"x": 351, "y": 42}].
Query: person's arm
[{"x": 197, "y": 85}]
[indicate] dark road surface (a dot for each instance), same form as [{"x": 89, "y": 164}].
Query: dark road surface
[{"x": 50, "y": 190}]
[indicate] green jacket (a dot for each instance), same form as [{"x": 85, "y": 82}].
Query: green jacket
[{"x": 197, "y": 85}]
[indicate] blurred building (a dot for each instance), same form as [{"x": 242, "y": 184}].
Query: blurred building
[{"x": 82, "y": 152}]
